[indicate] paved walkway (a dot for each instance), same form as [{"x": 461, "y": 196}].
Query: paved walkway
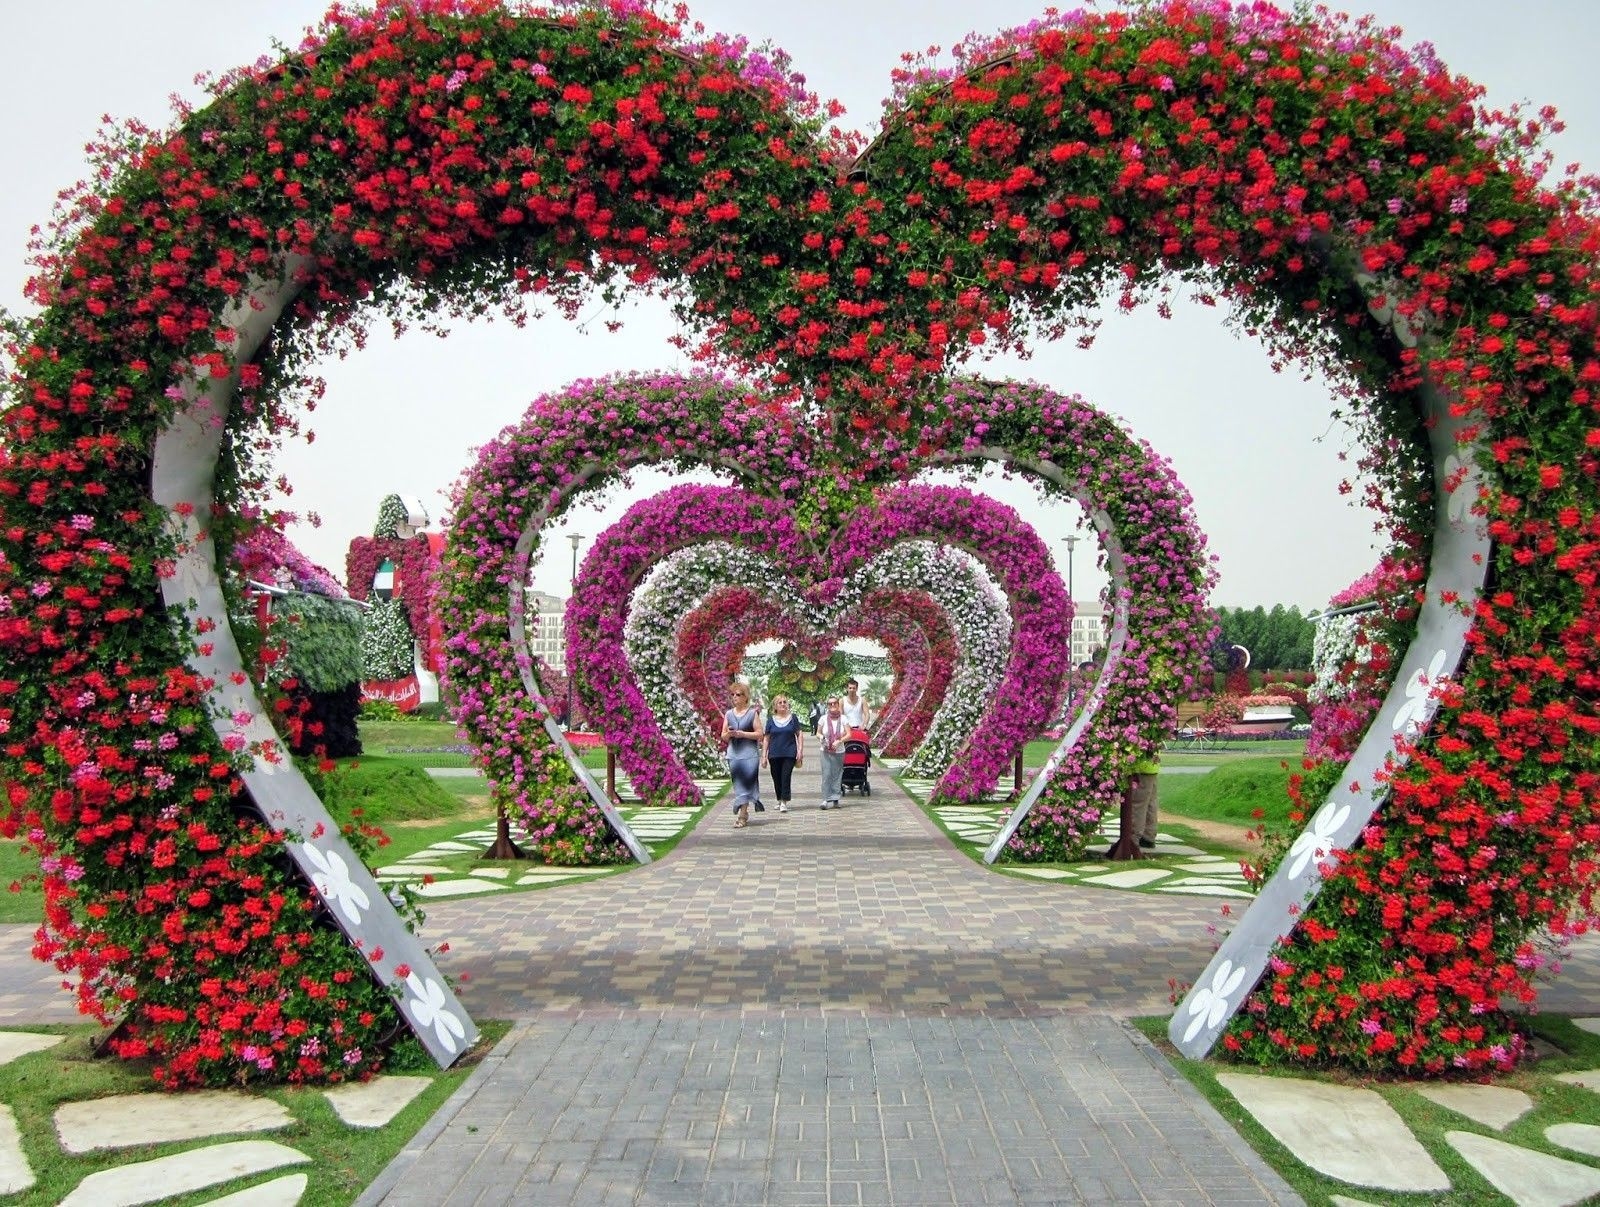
[{"x": 824, "y": 1008}]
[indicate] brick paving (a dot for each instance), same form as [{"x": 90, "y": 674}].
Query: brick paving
[{"x": 824, "y": 1008}]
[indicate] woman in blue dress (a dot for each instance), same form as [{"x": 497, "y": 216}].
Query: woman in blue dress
[{"x": 741, "y": 729}]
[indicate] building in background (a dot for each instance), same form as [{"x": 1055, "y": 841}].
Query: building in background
[
  {"x": 548, "y": 642},
  {"x": 1088, "y": 630}
]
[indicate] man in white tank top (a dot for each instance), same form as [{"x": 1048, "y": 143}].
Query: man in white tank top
[{"x": 854, "y": 706}]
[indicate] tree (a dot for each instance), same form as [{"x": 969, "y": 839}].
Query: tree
[{"x": 1279, "y": 639}]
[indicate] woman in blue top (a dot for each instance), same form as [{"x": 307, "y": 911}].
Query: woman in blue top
[
  {"x": 782, "y": 749},
  {"x": 741, "y": 729}
]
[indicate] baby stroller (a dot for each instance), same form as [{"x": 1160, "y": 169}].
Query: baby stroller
[{"x": 857, "y": 758}]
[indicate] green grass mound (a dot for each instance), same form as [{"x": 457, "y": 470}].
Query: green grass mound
[
  {"x": 1240, "y": 792},
  {"x": 384, "y": 790}
]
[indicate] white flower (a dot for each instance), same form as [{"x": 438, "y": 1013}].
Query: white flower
[
  {"x": 427, "y": 1008},
  {"x": 332, "y": 880},
  {"x": 1419, "y": 690},
  {"x": 1208, "y": 1005},
  {"x": 1317, "y": 839}
]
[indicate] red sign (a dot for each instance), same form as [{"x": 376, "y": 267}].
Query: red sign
[{"x": 405, "y": 694}]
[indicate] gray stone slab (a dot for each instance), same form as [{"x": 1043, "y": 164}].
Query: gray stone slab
[
  {"x": 1586, "y": 1079},
  {"x": 16, "y": 1175},
  {"x": 1344, "y": 1200},
  {"x": 165, "y": 1177},
  {"x": 1203, "y": 890},
  {"x": 415, "y": 869},
  {"x": 1132, "y": 878},
  {"x": 1345, "y": 1132},
  {"x": 14, "y": 1044},
  {"x": 1493, "y": 1106},
  {"x": 458, "y": 888},
  {"x": 1591, "y": 1025},
  {"x": 280, "y": 1192},
  {"x": 1579, "y": 1137},
  {"x": 373, "y": 1103},
  {"x": 123, "y": 1120},
  {"x": 1527, "y": 1178}
]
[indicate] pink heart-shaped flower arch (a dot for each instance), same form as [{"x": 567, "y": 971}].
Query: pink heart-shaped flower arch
[{"x": 656, "y": 528}]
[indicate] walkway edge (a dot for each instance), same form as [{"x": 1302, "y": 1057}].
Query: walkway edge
[
  {"x": 1227, "y": 1136},
  {"x": 400, "y": 1165}
]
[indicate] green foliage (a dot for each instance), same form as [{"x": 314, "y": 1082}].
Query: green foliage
[
  {"x": 386, "y": 645},
  {"x": 1279, "y": 639},
  {"x": 323, "y": 638}
]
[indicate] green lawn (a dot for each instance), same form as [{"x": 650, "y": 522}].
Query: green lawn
[
  {"x": 1035, "y": 753},
  {"x": 378, "y": 737},
  {"x": 1240, "y": 793},
  {"x": 18, "y": 871}
]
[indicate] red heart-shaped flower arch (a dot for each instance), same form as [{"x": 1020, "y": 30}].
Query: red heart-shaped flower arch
[{"x": 1345, "y": 195}]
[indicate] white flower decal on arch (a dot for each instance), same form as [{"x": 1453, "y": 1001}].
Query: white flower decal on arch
[
  {"x": 1209, "y": 1004},
  {"x": 332, "y": 880},
  {"x": 1317, "y": 839},
  {"x": 1419, "y": 690},
  {"x": 426, "y": 1006}
]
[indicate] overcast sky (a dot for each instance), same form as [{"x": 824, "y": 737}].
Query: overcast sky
[{"x": 1256, "y": 449}]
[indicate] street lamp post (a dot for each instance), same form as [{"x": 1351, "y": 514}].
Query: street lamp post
[
  {"x": 1072, "y": 661},
  {"x": 574, "y": 537}
]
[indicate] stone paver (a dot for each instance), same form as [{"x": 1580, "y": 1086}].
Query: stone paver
[
  {"x": 1491, "y": 1105},
  {"x": 122, "y": 1120},
  {"x": 373, "y": 1103},
  {"x": 280, "y": 1192},
  {"x": 1528, "y": 1179},
  {"x": 164, "y": 1177},
  {"x": 1578, "y": 1137},
  {"x": 1343, "y": 1132},
  {"x": 1588, "y": 1079},
  {"x": 16, "y": 1175},
  {"x": 24, "y": 1043}
]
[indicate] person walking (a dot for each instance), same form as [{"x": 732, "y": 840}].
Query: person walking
[
  {"x": 741, "y": 729},
  {"x": 1146, "y": 810},
  {"x": 782, "y": 749},
  {"x": 816, "y": 716},
  {"x": 833, "y": 734},
  {"x": 857, "y": 712}
]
